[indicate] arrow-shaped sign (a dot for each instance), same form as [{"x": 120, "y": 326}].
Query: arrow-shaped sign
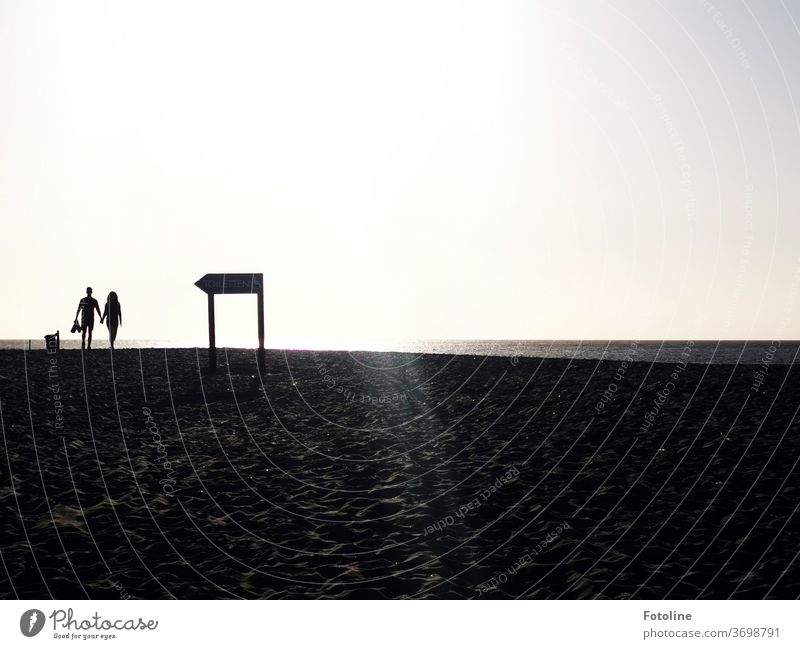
[
  {"x": 228, "y": 283},
  {"x": 214, "y": 283}
]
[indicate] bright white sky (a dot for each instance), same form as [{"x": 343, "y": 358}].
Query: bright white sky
[{"x": 622, "y": 169}]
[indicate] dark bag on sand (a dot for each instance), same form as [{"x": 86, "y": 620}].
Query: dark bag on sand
[
  {"x": 76, "y": 328},
  {"x": 52, "y": 341}
]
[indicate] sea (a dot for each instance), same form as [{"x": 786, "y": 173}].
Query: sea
[{"x": 746, "y": 352}]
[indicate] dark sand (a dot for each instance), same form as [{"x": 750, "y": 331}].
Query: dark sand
[{"x": 345, "y": 476}]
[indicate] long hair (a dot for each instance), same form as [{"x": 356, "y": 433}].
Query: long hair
[{"x": 112, "y": 298}]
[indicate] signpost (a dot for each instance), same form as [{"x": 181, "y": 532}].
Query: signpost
[{"x": 215, "y": 283}]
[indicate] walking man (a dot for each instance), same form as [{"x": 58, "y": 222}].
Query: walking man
[{"x": 86, "y": 307}]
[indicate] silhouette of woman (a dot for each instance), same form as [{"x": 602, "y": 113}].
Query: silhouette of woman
[{"x": 113, "y": 313}]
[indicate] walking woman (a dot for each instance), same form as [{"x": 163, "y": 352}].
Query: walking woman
[{"x": 113, "y": 314}]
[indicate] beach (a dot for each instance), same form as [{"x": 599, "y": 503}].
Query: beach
[{"x": 395, "y": 475}]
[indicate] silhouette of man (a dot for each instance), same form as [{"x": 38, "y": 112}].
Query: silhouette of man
[{"x": 86, "y": 307}]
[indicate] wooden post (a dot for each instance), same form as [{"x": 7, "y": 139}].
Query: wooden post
[
  {"x": 212, "y": 336},
  {"x": 261, "y": 356}
]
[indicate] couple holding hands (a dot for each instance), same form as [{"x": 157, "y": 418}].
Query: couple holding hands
[{"x": 112, "y": 313}]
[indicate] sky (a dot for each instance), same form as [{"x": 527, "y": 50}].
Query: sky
[{"x": 497, "y": 170}]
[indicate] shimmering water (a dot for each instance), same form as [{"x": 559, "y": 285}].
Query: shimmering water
[{"x": 752, "y": 352}]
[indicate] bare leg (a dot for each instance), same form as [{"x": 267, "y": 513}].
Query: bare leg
[
  {"x": 112, "y": 335},
  {"x": 89, "y": 345},
  {"x": 83, "y": 338}
]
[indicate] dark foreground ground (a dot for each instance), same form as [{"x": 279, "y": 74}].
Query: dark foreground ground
[{"x": 393, "y": 475}]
